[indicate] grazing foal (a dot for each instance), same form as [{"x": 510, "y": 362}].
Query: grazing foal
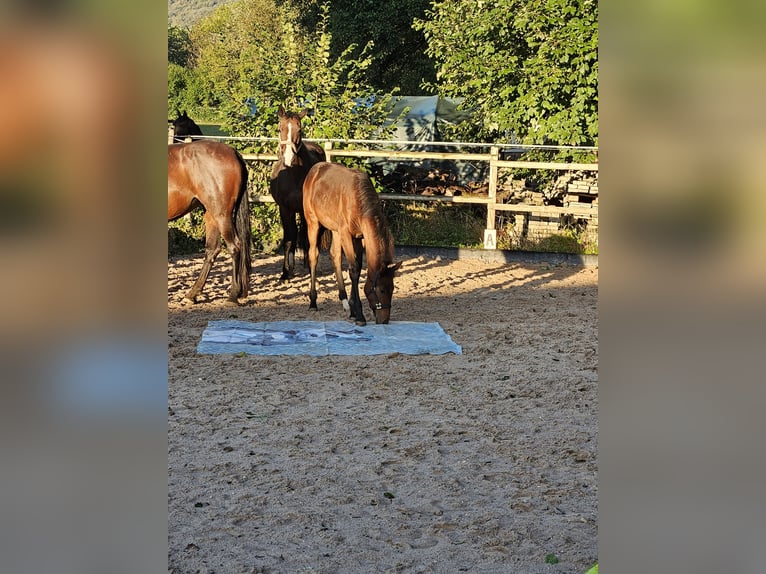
[{"x": 344, "y": 201}]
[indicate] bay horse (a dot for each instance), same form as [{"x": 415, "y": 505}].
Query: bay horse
[
  {"x": 295, "y": 158},
  {"x": 213, "y": 175},
  {"x": 184, "y": 126},
  {"x": 344, "y": 201}
]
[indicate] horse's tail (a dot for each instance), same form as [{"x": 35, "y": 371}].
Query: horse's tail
[
  {"x": 243, "y": 265},
  {"x": 303, "y": 237},
  {"x": 325, "y": 238}
]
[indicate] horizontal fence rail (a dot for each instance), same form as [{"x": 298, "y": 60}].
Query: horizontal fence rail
[{"x": 587, "y": 211}]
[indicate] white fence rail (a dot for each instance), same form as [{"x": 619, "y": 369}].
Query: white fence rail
[{"x": 339, "y": 148}]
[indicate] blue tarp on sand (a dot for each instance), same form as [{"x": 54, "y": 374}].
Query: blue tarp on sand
[{"x": 325, "y": 338}]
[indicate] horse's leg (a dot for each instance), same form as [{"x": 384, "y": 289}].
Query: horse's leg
[
  {"x": 337, "y": 263},
  {"x": 353, "y": 271},
  {"x": 302, "y": 240},
  {"x": 356, "y": 301},
  {"x": 358, "y": 251},
  {"x": 312, "y": 228},
  {"x": 233, "y": 245},
  {"x": 291, "y": 236},
  {"x": 212, "y": 247}
]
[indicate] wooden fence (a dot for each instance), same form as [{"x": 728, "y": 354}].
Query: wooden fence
[{"x": 580, "y": 202}]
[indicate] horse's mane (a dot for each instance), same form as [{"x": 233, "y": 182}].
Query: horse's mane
[{"x": 371, "y": 209}]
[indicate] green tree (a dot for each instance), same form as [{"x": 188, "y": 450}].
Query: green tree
[
  {"x": 187, "y": 91},
  {"x": 529, "y": 68},
  {"x": 233, "y": 47},
  {"x": 398, "y": 54},
  {"x": 179, "y": 46},
  {"x": 255, "y": 56}
]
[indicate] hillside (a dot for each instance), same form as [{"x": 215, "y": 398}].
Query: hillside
[{"x": 185, "y": 13}]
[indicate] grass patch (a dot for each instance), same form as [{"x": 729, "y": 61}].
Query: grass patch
[
  {"x": 210, "y": 129},
  {"x": 181, "y": 243},
  {"x": 436, "y": 224},
  {"x": 266, "y": 226},
  {"x": 565, "y": 241},
  {"x": 569, "y": 238},
  {"x": 411, "y": 223},
  {"x": 551, "y": 559},
  {"x": 186, "y": 235},
  {"x": 450, "y": 225}
]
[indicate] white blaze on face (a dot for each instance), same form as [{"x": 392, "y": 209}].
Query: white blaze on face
[{"x": 289, "y": 147}]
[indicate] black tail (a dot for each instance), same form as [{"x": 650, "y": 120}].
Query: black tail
[
  {"x": 303, "y": 236},
  {"x": 325, "y": 239},
  {"x": 243, "y": 265}
]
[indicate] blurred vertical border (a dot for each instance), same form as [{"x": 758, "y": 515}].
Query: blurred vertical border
[
  {"x": 682, "y": 286},
  {"x": 83, "y": 389}
]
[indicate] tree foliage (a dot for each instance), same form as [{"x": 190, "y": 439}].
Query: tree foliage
[
  {"x": 187, "y": 90},
  {"x": 398, "y": 57},
  {"x": 233, "y": 47},
  {"x": 529, "y": 68},
  {"x": 179, "y": 46},
  {"x": 254, "y": 57}
]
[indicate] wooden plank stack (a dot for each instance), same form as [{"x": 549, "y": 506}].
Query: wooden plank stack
[{"x": 575, "y": 189}]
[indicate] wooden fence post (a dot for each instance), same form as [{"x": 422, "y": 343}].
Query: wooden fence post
[
  {"x": 171, "y": 133},
  {"x": 490, "y": 233},
  {"x": 328, "y": 150}
]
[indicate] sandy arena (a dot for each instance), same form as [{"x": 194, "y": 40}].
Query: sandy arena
[{"x": 480, "y": 462}]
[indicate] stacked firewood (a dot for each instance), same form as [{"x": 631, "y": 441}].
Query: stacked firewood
[{"x": 414, "y": 180}]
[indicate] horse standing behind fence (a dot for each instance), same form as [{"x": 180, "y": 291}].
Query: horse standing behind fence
[
  {"x": 295, "y": 158},
  {"x": 344, "y": 201},
  {"x": 213, "y": 175},
  {"x": 183, "y": 127}
]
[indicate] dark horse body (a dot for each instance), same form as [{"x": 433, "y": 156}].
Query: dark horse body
[
  {"x": 183, "y": 127},
  {"x": 344, "y": 201},
  {"x": 213, "y": 175},
  {"x": 295, "y": 158}
]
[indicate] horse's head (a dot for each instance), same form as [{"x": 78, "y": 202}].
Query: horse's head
[
  {"x": 380, "y": 290},
  {"x": 290, "y": 136},
  {"x": 184, "y": 126}
]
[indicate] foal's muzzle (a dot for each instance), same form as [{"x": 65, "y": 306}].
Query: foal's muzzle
[{"x": 382, "y": 312}]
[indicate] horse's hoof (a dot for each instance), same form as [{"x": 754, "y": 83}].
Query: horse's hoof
[
  {"x": 361, "y": 323},
  {"x": 190, "y": 298}
]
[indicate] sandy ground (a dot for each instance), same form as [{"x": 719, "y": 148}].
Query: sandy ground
[{"x": 480, "y": 462}]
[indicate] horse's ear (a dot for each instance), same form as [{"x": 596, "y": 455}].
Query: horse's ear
[
  {"x": 281, "y": 110},
  {"x": 394, "y": 267},
  {"x": 183, "y": 115},
  {"x": 303, "y": 113}
]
